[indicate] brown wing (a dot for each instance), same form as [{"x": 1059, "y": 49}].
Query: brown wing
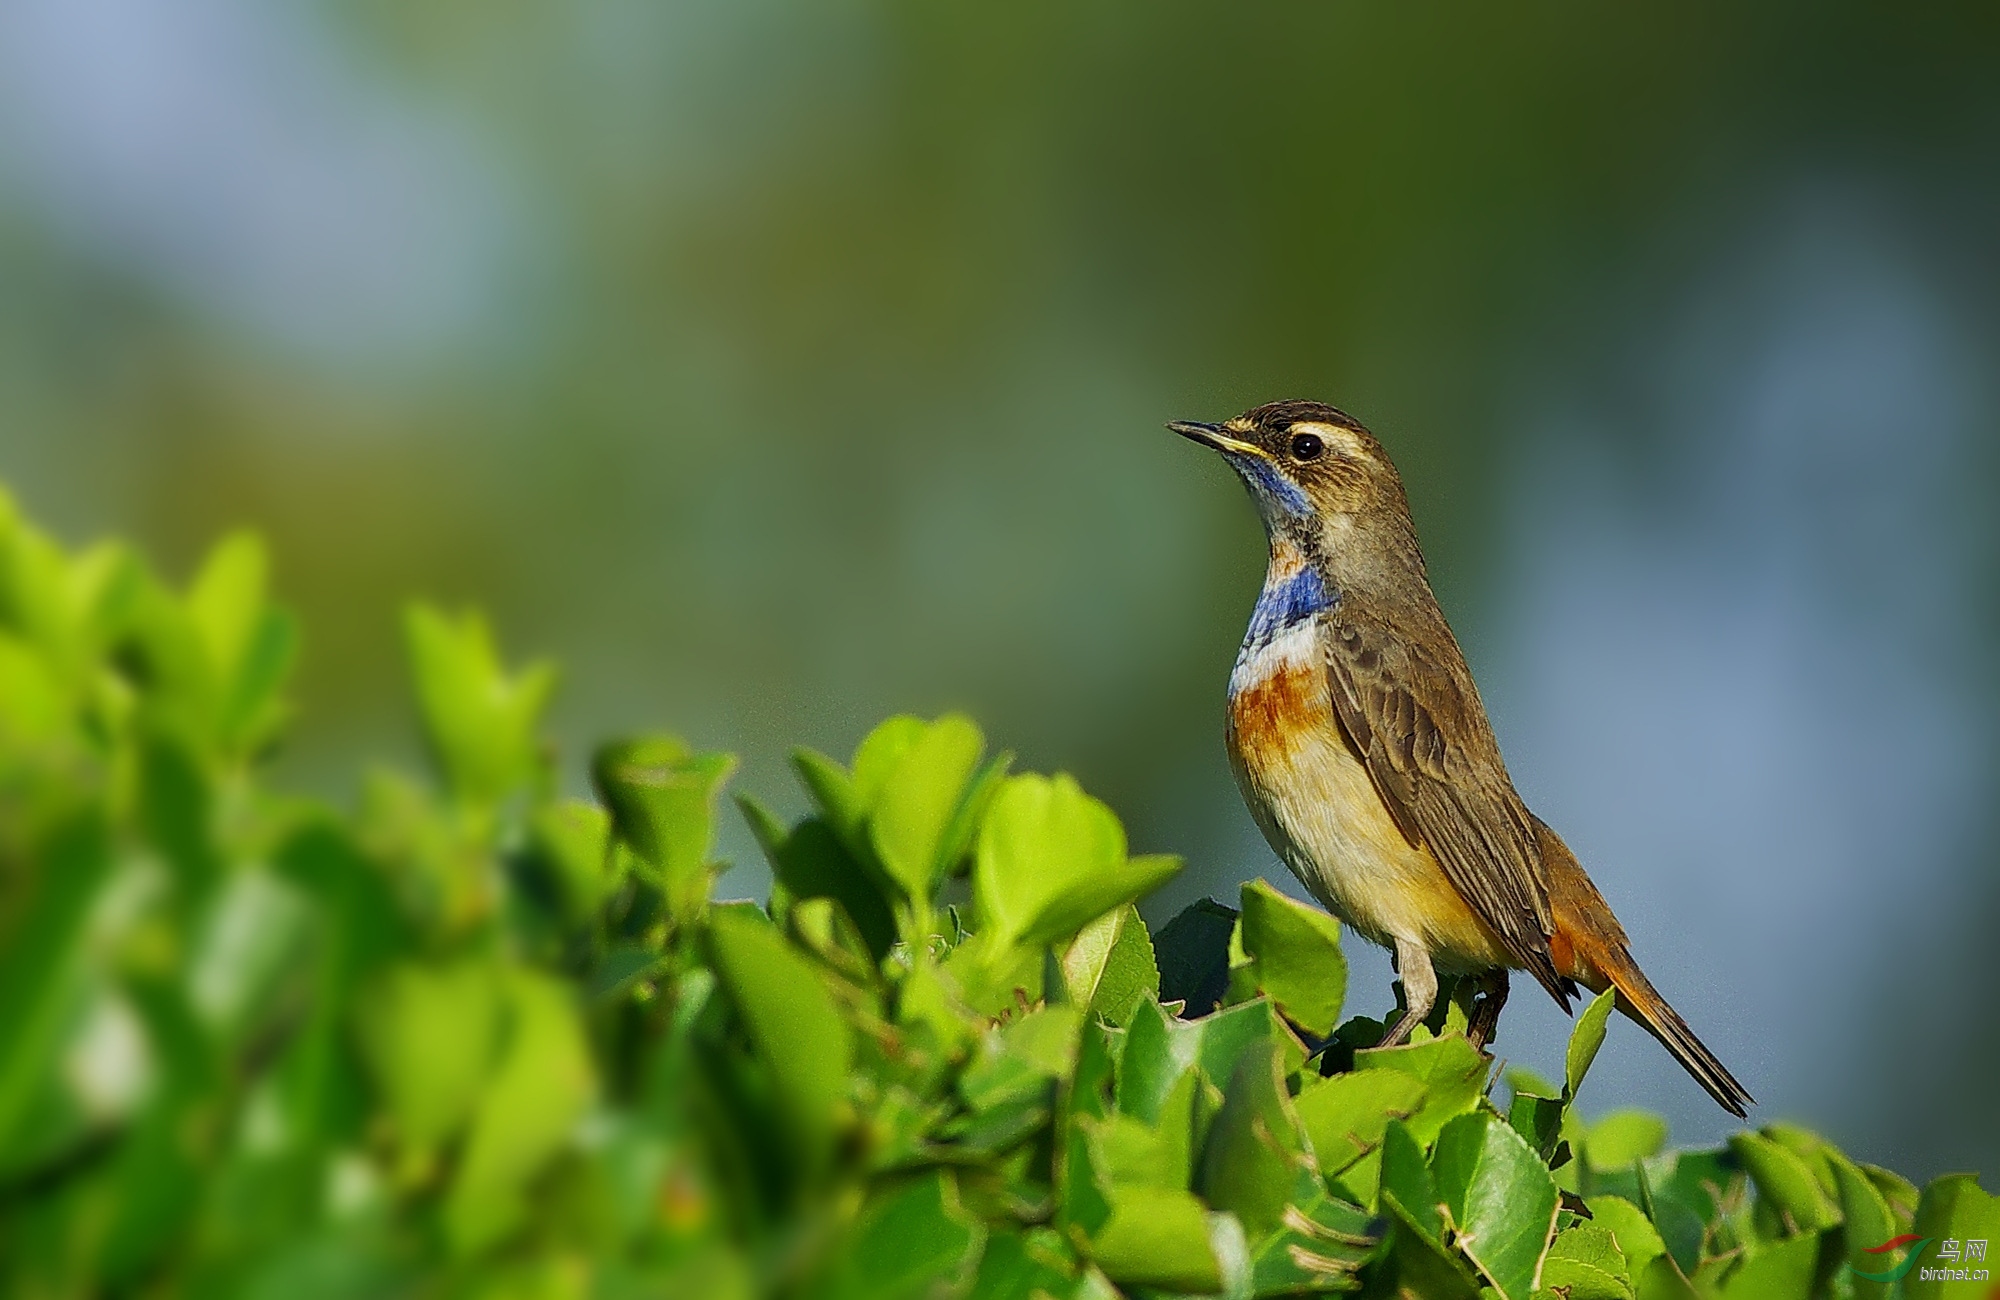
[{"x": 1409, "y": 707}]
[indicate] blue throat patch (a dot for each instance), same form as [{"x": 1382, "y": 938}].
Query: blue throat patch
[
  {"x": 1269, "y": 485},
  {"x": 1288, "y": 602}
]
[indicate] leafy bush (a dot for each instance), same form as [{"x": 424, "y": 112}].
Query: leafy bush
[{"x": 480, "y": 1039}]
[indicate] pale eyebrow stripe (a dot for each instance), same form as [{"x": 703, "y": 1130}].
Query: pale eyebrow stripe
[{"x": 1334, "y": 434}]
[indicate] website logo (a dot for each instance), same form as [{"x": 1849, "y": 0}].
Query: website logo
[
  {"x": 1897, "y": 1273},
  {"x": 1952, "y": 1255}
]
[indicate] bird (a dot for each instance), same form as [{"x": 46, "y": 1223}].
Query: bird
[{"x": 1362, "y": 748}]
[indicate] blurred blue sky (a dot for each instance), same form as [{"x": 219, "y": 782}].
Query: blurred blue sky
[{"x": 777, "y": 365}]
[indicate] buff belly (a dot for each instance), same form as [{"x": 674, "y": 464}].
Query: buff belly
[{"x": 1316, "y": 805}]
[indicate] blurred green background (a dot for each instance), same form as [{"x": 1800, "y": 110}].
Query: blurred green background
[{"x": 776, "y": 366}]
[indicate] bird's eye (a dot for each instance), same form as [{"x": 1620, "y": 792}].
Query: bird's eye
[{"x": 1307, "y": 446}]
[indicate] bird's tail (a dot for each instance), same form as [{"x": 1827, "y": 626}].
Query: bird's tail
[
  {"x": 1590, "y": 947},
  {"x": 1638, "y": 999}
]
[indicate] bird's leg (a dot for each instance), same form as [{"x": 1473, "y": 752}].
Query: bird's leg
[
  {"x": 1487, "y": 1017},
  {"x": 1420, "y": 989}
]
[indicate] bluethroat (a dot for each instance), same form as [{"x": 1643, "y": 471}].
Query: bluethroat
[{"x": 1366, "y": 758}]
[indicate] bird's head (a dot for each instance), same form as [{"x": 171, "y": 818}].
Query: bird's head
[{"x": 1310, "y": 467}]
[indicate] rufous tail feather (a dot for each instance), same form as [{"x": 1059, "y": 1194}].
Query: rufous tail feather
[
  {"x": 1638, "y": 999},
  {"x": 1590, "y": 947}
]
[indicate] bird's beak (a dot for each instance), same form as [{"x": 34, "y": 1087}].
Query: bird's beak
[{"x": 1212, "y": 435}]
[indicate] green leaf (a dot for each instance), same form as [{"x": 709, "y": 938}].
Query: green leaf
[
  {"x": 1089, "y": 1089},
  {"x": 1083, "y": 1205},
  {"x": 1254, "y": 1150},
  {"x": 1257, "y": 1167},
  {"x": 1593, "y": 1244},
  {"x": 1081, "y": 961},
  {"x": 42, "y": 966},
  {"x": 713, "y": 1271},
  {"x": 1318, "y": 1250},
  {"x": 1093, "y": 1285},
  {"x": 247, "y": 945},
  {"x": 811, "y": 861},
  {"x": 1420, "y": 1266},
  {"x": 1634, "y": 1233},
  {"x": 1499, "y": 1197},
  {"x": 572, "y": 840},
  {"x": 1298, "y": 957},
  {"x": 1131, "y": 974},
  {"x": 1780, "y": 1272},
  {"x": 1662, "y": 1280},
  {"x": 1523, "y": 1082},
  {"x": 1452, "y": 1071},
  {"x": 922, "y": 791},
  {"x": 1030, "y": 1052},
  {"x": 1899, "y": 1191},
  {"x": 1159, "y": 1048},
  {"x": 177, "y": 806},
  {"x": 1784, "y": 1180},
  {"x": 249, "y": 646},
  {"x": 1621, "y": 1137},
  {"x": 356, "y": 930},
  {"x": 1953, "y": 1207},
  {"x": 1584, "y": 1263},
  {"x": 1227, "y": 1035},
  {"x": 1051, "y": 859},
  {"x": 1681, "y": 1191},
  {"x": 1156, "y": 1236},
  {"x": 1185, "y": 1118},
  {"x": 879, "y": 754},
  {"x": 821, "y": 926},
  {"x": 1406, "y": 1179},
  {"x": 155, "y": 1162},
  {"x": 1811, "y": 1148},
  {"x": 927, "y": 1011},
  {"x": 430, "y": 1035},
  {"x": 481, "y": 721},
  {"x": 34, "y": 706},
  {"x": 1539, "y": 1120},
  {"x": 1157, "y": 1051},
  {"x": 832, "y": 788},
  {"x": 1584, "y": 1041},
  {"x": 1320, "y": 1246},
  {"x": 1109, "y": 965},
  {"x": 847, "y": 799},
  {"x": 994, "y": 979},
  {"x": 621, "y": 967},
  {"x": 914, "y": 1242},
  {"x": 541, "y": 1087},
  {"x": 1346, "y": 1115},
  {"x": 1867, "y": 1221},
  {"x": 662, "y": 802},
  {"x": 67, "y": 608},
  {"x": 1017, "y": 1264},
  {"x": 1193, "y": 953},
  {"x": 1569, "y": 1279},
  {"x": 793, "y": 1021},
  {"x": 1130, "y": 1151},
  {"x": 955, "y": 847}
]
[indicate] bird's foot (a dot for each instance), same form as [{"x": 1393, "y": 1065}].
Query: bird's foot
[
  {"x": 1420, "y": 990},
  {"x": 1486, "y": 1016}
]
